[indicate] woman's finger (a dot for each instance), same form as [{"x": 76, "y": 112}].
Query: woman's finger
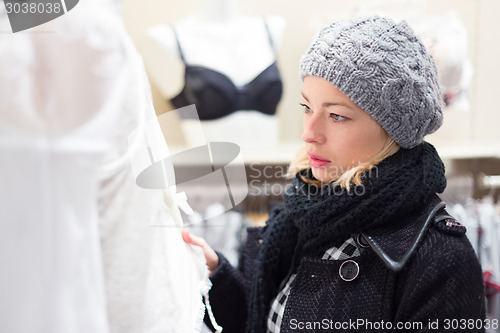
[
  {"x": 211, "y": 257},
  {"x": 192, "y": 239}
]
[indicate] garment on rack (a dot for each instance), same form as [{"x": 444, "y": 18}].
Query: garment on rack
[
  {"x": 82, "y": 247},
  {"x": 154, "y": 281},
  {"x": 489, "y": 222},
  {"x": 215, "y": 94},
  {"x": 482, "y": 221},
  {"x": 62, "y": 88}
]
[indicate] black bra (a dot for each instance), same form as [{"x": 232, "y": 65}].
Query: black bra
[{"x": 215, "y": 95}]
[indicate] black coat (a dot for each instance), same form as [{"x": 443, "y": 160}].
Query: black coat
[{"x": 431, "y": 283}]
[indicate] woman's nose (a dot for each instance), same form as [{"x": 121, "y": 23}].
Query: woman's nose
[{"x": 313, "y": 129}]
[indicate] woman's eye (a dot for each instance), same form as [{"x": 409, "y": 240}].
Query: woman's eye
[
  {"x": 306, "y": 108},
  {"x": 337, "y": 117}
]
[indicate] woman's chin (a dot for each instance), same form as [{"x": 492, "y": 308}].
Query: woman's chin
[{"x": 324, "y": 175}]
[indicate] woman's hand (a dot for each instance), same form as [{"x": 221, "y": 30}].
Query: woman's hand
[{"x": 210, "y": 255}]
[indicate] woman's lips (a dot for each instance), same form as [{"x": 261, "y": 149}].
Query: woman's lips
[{"x": 317, "y": 161}]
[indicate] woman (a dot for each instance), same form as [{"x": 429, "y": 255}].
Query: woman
[{"x": 362, "y": 243}]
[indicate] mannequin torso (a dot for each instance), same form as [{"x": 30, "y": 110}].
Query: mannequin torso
[{"x": 237, "y": 47}]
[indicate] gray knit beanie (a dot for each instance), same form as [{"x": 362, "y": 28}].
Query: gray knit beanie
[{"x": 385, "y": 69}]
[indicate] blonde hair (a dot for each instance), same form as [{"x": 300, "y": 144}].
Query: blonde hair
[{"x": 349, "y": 177}]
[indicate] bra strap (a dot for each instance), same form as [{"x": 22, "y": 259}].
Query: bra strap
[
  {"x": 178, "y": 44},
  {"x": 270, "y": 36}
]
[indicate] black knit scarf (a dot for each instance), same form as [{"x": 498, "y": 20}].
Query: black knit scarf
[{"x": 315, "y": 219}]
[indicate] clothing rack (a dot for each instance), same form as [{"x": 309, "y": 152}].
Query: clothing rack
[
  {"x": 491, "y": 181},
  {"x": 481, "y": 216}
]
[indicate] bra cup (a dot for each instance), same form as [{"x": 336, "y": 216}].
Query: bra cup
[
  {"x": 268, "y": 102},
  {"x": 216, "y": 96},
  {"x": 266, "y": 90},
  {"x": 213, "y": 104},
  {"x": 270, "y": 74}
]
